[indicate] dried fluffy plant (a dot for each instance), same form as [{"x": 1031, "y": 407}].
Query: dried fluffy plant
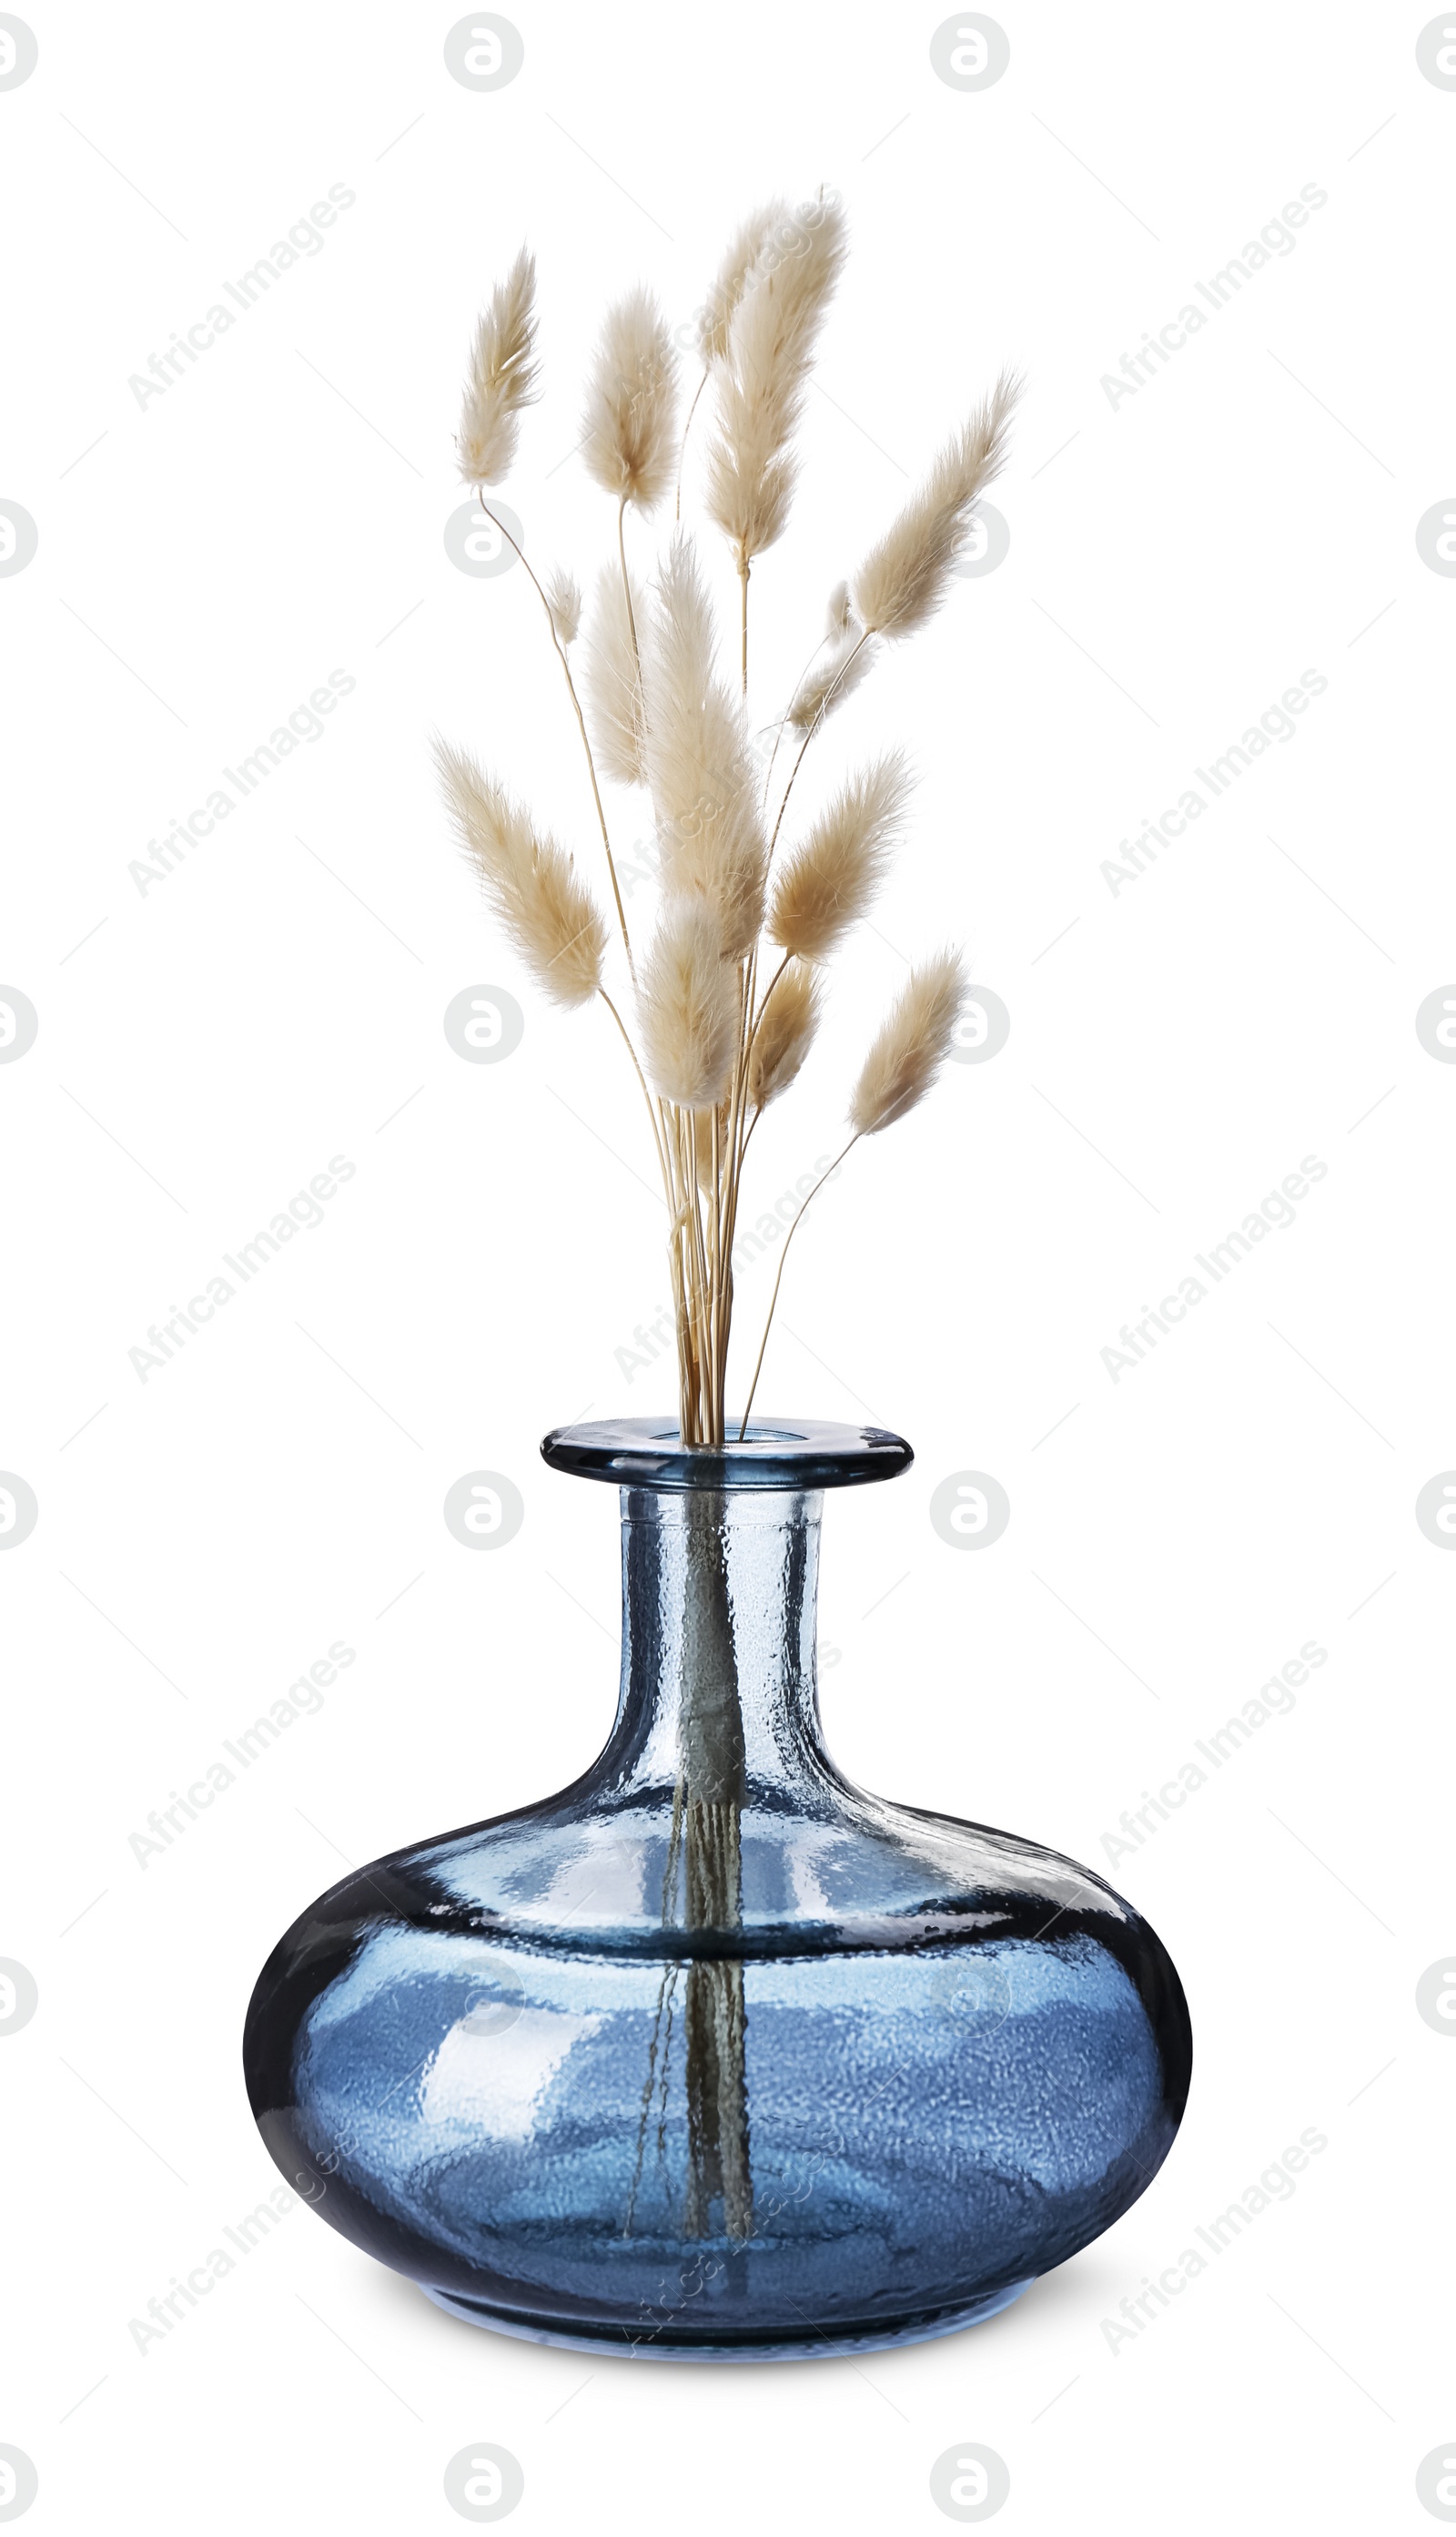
[
  {"x": 689, "y": 1008},
  {"x": 564, "y": 601},
  {"x": 714, "y": 1045},
  {"x": 627, "y": 436},
  {"x": 830, "y": 681},
  {"x": 903, "y": 579},
  {"x": 710, "y": 835},
  {"x": 829, "y": 879},
  {"x": 911, "y": 1047},
  {"x": 732, "y": 279},
  {"x": 531, "y": 883},
  {"x": 503, "y": 377},
  {"x": 614, "y": 687},
  {"x": 764, "y": 375},
  {"x": 783, "y": 1034}
]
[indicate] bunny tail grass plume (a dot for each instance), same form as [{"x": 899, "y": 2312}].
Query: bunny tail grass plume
[
  {"x": 829, "y": 882},
  {"x": 564, "y": 600},
  {"x": 764, "y": 372},
  {"x": 710, "y": 834},
  {"x": 784, "y": 1031},
  {"x": 614, "y": 687},
  {"x": 732, "y": 279},
  {"x": 831, "y": 680},
  {"x": 530, "y": 880},
  {"x": 689, "y": 1008},
  {"x": 627, "y": 429},
  {"x": 912, "y": 1046},
  {"x": 503, "y": 377},
  {"x": 903, "y": 579}
]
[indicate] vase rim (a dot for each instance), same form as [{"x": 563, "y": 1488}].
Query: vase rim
[{"x": 775, "y": 1454}]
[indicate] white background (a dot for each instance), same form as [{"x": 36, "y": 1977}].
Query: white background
[{"x": 1177, "y": 559}]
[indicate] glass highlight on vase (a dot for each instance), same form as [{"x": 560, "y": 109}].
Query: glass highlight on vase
[{"x": 712, "y": 2056}]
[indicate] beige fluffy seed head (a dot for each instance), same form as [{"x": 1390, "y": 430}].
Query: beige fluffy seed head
[
  {"x": 530, "y": 880},
  {"x": 912, "y": 1046},
  {"x": 763, "y": 377},
  {"x": 783, "y": 1035},
  {"x": 627, "y": 429},
  {"x": 831, "y": 680},
  {"x": 710, "y": 831},
  {"x": 829, "y": 879},
  {"x": 903, "y": 579},
  {"x": 501, "y": 378},
  {"x": 688, "y": 1006},
  {"x": 564, "y": 600},
  {"x": 613, "y": 689},
  {"x": 731, "y": 278}
]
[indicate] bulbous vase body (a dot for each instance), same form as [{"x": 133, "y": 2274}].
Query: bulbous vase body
[{"x": 713, "y": 2055}]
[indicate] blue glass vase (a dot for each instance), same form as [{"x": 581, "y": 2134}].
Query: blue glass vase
[{"x": 712, "y": 2056}]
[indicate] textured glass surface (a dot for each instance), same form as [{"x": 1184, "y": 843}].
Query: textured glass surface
[{"x": 712, "y": 2052}]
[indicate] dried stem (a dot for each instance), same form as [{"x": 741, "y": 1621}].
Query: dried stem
[
  {"x": 682, "y": 445},
  {"x": 784, "y": 719},
  {"x": 560, "y": 650},
  {"x": 763, "y": 1007},
  {"x": 778, "y": 1281},
  {"x": 627, "y": 595},
  {"x": 814, "y": 726},
  {"x": 651, "y": 1116}
]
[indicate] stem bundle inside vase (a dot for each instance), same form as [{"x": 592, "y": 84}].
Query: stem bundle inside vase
[
  {"x": 715, "y": 1009},
  {"x": 709, "y": 1808}
]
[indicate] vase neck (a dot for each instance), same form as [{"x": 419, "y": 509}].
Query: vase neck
[{"x": 719, "y": 1618}]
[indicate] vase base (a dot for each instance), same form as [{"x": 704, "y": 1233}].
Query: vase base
[{"x": 618, "y": 2343}]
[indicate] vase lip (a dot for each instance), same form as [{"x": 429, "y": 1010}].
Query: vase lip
[{"x": 775, "y": 1454}]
